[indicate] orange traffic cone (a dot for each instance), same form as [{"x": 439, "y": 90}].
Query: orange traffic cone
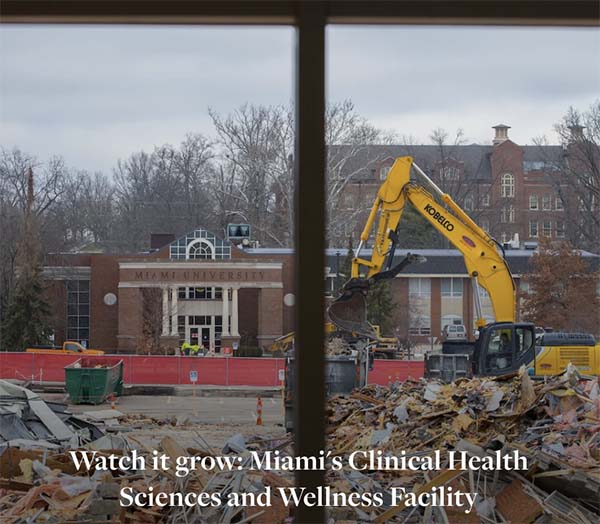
[
  {"x": 113, "y": 401},
  {"x": 259, "y": 412}
]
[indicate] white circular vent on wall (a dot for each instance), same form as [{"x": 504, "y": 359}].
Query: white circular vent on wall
[
  {"x": 289, "y": 299},
  {"x": 110, "y": 299}
]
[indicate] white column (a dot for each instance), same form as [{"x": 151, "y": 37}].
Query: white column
[
  {"x": 174, "y": 294},
  {"x": 225, "y": 297},
  {"x": 234, "y": 313},
  {"x": 165, "y": 311}
]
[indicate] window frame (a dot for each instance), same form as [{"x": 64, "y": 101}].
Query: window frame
[
  {"x": 546, "y": 203},
  {"x": 547, "y": 231},
  {"x": 532, "y": 199},
  {"x": 507, "y": 185},
  {"x": 421, "y": 292},
  {"x": 537, "y": 229},
  {"x": 452, "y": 293},
  {"x": 310, "y": 20}
]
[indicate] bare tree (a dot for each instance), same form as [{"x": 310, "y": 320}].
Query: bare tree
[
  {"x": 164, "y": 189},
  {"x": 256, "y": 142},
  {"x": 51, "y": 179},
  {"x": 576, "y": 174},
  {"x": 349, "y": 138}
]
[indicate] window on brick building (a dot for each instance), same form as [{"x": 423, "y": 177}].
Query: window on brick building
[
  {"x": 533, "y": 203},
  {"x": 383, "y": 172},
  {"x": 78, "y": 311},
  {"x": 533, "y": 229},
  {"x": 419, "y": 287},
  {"x": 546, "y": 203},
  {"x": 449, "y": 173},
  {"x": 452, "y": 287},
  {"x": 507, "y": 215},
  {"x": 419, "y": 325},
  {"x": 560, "y": 230},
  {"x": 558, "y": 204},
  {"x": 547, "y": 228},
  {"x": 485, "y": 200},
  {"x": 485, "y": 224},
  {"x": 469, "y": 206},
  {"x": 507, "y": 186}
]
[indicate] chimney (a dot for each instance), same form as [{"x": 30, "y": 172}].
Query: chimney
[
  {"x": 501, "y": 133},
  {"x": 576, "y": 133},
  {"x": 158, "y": 240}
]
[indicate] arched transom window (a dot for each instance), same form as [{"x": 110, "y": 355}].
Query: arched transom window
[
  {"x": 200, "y": 245},
  {"x": 201, "y": 249},
  {"x": 507, "y": 185}
]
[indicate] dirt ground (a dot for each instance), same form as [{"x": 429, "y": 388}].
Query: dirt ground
[{"x": 189, "y": 420}]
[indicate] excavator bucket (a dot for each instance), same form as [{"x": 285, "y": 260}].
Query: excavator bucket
[{"x": 349, "y": 311}]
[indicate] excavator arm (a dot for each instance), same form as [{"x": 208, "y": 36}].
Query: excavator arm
[{"x": 485, "y": 264}]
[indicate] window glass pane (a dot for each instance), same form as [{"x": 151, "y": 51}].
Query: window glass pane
[
  {"x": 446, "y": 286},
  {"x": 457, "y": 285}
]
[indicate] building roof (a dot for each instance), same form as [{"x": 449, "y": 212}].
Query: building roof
[
  {"x": 439, "y": 261},
  {"x": 475, "y": 157}
]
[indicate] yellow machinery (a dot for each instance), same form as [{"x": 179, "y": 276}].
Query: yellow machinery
[
  {"x": 383, "y": 347},
  {"x": 502, "y": 346}
]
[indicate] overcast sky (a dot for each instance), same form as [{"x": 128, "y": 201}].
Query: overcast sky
[{"x": 97, "y": 94}]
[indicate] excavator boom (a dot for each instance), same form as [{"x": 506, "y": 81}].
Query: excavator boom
[{"x": 483, "y": 260}]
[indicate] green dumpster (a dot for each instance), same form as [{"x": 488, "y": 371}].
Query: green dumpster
[{"x": 92, "y": 380}]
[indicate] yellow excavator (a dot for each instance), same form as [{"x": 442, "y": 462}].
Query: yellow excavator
[{"x": 502, "y": 346}]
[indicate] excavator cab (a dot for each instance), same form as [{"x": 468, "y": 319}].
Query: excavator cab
[{"x": 503, "y": 347}]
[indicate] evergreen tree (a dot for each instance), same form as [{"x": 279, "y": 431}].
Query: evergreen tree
[
  {"x": 380, "y": 306},
  {"x": 346, "y": 266},
  {"x": 415, "y": 232},
  {"x": 27, "y": 315}
]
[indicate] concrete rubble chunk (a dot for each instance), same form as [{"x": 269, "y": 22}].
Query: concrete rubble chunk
[
  {"x": 235, "y": 444},
  {"x": 35, "y": 423},
  {"x": 431, "y": 391}
]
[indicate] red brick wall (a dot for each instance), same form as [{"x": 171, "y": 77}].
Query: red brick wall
[
  {"x": 104, "y": 318},
  {"x": 270, "y": 305},
  {"x": 248, "y": 313},
  {"x": 130, "y": 318}
]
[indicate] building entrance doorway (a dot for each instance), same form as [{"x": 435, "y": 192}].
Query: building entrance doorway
[{"x": 201, "y": 335}]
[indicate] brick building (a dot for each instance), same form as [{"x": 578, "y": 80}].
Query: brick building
[
  {"x": 200, "y": 287},
  {"x": 197, "y": 288},
  {"x": 506, "y": 188}
]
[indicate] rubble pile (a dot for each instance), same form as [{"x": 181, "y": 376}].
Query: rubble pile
[
  {"x": 44, "y": 486},
  {"x": 40, "y": 483},
  {"x": 554, "y": 424},
  {"x": 28, "y": 421},
  {"x": 337, "y": 346}
]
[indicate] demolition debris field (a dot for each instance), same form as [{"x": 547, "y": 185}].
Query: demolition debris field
[{"x": 553, "y": 425}]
